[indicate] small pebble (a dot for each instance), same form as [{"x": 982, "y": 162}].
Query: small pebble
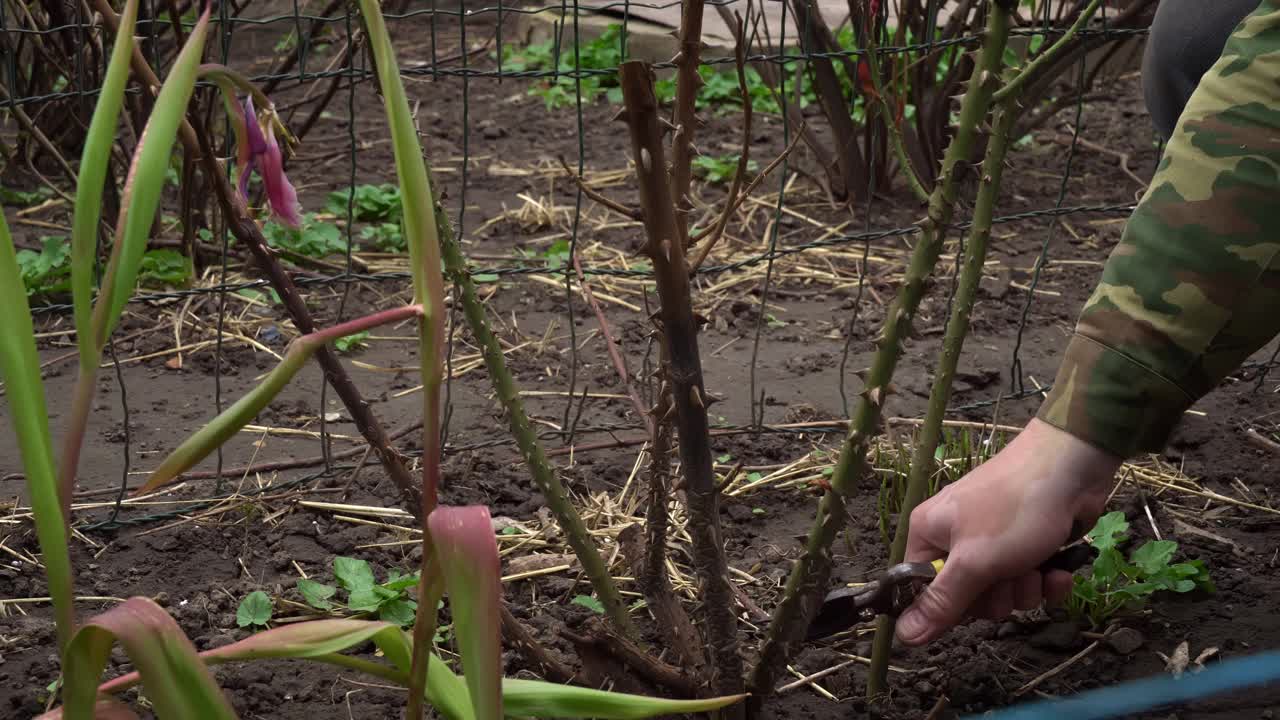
[
  {"x": 1007, "y": 630},
  {"x": 1125, "y": 641},
  {"x": 1057, "y": 636},
  {"x": 490, "y": 130}
]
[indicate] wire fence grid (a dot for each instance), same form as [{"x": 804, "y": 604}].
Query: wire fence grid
[{"x": 453, "y": 63}]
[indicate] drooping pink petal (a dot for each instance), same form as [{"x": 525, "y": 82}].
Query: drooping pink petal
[
  {"x": 251, "y": 150},
  {"x": 241, "y": 120},
  {"x": 259, "y": 152},
  {"x": 281, "y": 194}
]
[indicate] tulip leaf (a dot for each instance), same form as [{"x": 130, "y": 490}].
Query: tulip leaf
[
  {"x": 94, "y": 161},
  {"x": 224, "y": 426},
  {"x": 468, "y": 554},
  {"x": 176, "y": 682},
  {"x": 534, "y": 698},
  {"x": 141, "y": 195},
  {"x": 29, "y": 418}
]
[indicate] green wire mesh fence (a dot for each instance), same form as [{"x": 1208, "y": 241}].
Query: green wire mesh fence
[{"x": 307, "y": 54}]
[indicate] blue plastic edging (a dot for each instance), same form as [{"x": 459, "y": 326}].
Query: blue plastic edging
[{"x": 1151, "y": 693}]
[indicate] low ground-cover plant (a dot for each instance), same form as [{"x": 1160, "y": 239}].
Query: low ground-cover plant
[
  {"x": 719, "y": 170},
  {"x": 47, "y": 273},
  {"x": 367, "y": 203},
  {"x": 1116, "y": 584},
  {"x": 460, "y": 556},
  {"x": 388, "y": 600},
  {"x": 720, "y": 91},
  {"x": 314, "y": 238}
]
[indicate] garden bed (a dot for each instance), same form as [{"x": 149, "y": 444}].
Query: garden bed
[{"x": 263, "y": 529}]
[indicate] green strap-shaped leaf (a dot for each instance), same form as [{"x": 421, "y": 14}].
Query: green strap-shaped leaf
[
  {"x": 468, "y": 555},
  {"x": 230, "y": 421},
  {"x": 417, "y": 201},
  {"x": 534, "y": 698},
  {"x": 145, "y": 182},
  {"x": 94, "y": 162},
  {"x": 322, "y": 640},
  {"x": 177, "y": 683},
  {"x": 24, "y": 391},
  {"x": 223, "y": 427}
]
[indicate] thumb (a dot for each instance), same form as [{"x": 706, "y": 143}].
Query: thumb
[{"x": 942, "y": 604}]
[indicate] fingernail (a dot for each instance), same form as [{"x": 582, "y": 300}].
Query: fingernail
[{"x": 911, "y": 626}]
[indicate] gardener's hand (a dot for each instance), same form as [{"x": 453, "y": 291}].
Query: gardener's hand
[{"x": 996, "y": 525}]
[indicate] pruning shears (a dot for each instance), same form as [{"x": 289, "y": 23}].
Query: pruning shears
[{"x": 896, "y": 588}]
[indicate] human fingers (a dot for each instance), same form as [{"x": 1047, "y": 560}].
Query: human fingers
[
  {"x": 996, "y": 603},
  {"x": 1057, "y": 586},
  {"x": 943, "y": 603},
  {"x": 1028, "y": 591},
  {"x": 929, "y": 533}
]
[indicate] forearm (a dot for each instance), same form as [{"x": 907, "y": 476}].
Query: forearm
[{"x": 1193, "y": 288}]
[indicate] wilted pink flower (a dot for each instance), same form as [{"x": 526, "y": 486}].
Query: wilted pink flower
[{"x": 259, "y": 151}]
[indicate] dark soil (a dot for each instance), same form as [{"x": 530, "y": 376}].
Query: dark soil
[{"x": 200, "y": 568}]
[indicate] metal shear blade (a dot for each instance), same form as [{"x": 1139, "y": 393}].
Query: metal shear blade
[
  {"x": 896, "y": 588},
  {"x": 889, "y": 594}
]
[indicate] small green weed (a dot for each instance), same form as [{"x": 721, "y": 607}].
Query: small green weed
[
  {"x": 387, "y": 237},
  {"x": 380, "y": 205},
  {"x": 589, "y": 603},
  {"x": 270, "y": 297},
  {"x": 315, "y": 238},
  {"x": 719, "y": 170},
  {"x": 165, "y": 266},
  {"x": 370, "y": 203},
  {"x": 388, "y": 600},
  {"x": 1116, "y": 584},
  {"x": 558, "y": 92},
  {"x": 352, "y": 342},
  {"x": 47, "y": 272},
  {"x": 555, "y": 256},
  {"x": 24, "y": 198},
  {"x": 255, "y": 610}
]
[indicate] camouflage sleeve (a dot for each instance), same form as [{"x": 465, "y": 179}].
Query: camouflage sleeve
[{"x": 1193, "y": 288}]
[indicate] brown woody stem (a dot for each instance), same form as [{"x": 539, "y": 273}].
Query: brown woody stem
[
  {"x": 809, "y": 575},
  {"x": 835, "y": 107},
  {"x": 922, "y": 460},
  {"x": 543, "y": 474},
  {"x": 688, "y": 82},
  {"x": 684, "y": 374}
]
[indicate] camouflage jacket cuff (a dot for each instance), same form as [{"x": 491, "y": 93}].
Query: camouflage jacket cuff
[{"x": 1108, "y": 399}]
